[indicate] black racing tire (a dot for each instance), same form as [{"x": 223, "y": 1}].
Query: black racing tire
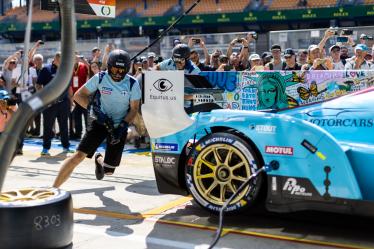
[
  {"x": 36, "y": 218},
  {"x": 215, "y": 168}
]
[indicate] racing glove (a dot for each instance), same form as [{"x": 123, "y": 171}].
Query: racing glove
[{"x": 118, "y": 133}]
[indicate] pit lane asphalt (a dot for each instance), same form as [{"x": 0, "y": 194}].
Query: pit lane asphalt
[{"x": 126, "y": 211}]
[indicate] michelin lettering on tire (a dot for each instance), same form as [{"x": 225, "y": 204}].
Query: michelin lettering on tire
[{"x": 222, "y": 173}]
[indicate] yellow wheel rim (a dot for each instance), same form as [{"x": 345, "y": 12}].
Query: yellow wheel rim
[
  {"x": 25, "y": 195},
  {"x": 219, "y": 170}
]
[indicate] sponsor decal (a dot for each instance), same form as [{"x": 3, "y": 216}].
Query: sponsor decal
[
  {"x": 121, "y": 64},
  {"x": 106, "y": 90},
  {"x": 166, "y": 146},
  {"x": 105, "y": 11},
  {"x": 293, "y": 188},
  {"x": 163, "y": 85},
  {"x": 274, "y": 184},
  {"x": 266, "y": 129},
  {"x": 307, "y": 145},
  {"x": 279, "y": 150},
  {"x": 218, "y": 139},
  {"x": 203, "y": 98},
  {"x": 165, "y": 161},
  {"x": 368, "y": 123}
]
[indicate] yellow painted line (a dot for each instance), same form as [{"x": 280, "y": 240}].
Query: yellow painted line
[
  {"x": 109, "y": 214},
  {"x": 147, "y": 216},
  {"x": 168, "y": 206}
]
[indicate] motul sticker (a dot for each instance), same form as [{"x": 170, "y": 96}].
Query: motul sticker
[{"x": 279, "y": 150}]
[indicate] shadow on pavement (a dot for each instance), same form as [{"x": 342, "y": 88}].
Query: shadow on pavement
[
  {"x": 146, "y": 187},
  {"x": 310, "y": 225},
  {"x": 110, "y": 205},
  {"x": 55, "y": 159}
]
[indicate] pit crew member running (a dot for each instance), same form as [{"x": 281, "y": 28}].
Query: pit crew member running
[{"x": 115, "y": 104}]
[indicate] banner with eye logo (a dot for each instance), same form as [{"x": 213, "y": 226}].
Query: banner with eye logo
[{"x": 284, "y": 89}]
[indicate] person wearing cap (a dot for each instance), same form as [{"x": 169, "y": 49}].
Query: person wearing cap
[
  {"x": 290, "y": 57},
  {"x": 315, "y": 60},
  {"x": 224, "y": 64},
  {"x": 302, "y": 56},
  {"x": 363, "y": 38},
  {"x": 9, "y": 65},
  {"x": 359, "y": 62},
  {"x": 256, "y": 63},
  {"x": 176, "y": 42},
  {"x": 214, "y": 59},
  {"x": 151, "y": 60},
  {"x": 266, "y": 57},
  {"x": 95, "y": 54},
  {"x": 276, "y": 63},
  {"x": 6, "y": 109},
  {"x": 338, "y": 63},
  {"x": 144, "y": 61}
]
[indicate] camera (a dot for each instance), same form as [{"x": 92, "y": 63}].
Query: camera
[
  {"x": 240, "y": 40},
  {"x": 254, "y": 35},
  {"x": 41, "y": 42},
  {"x": 335, "y": 30},
  {"x": 342, "y": 39},
  {"x": 196, "y": 40},
  {"x": 347, "y": 32}
]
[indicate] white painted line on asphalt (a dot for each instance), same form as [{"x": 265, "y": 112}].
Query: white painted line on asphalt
[{"x": 142, "y": 240}]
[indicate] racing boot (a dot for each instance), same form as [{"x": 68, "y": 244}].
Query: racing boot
[{"x": 99, "y": 169}]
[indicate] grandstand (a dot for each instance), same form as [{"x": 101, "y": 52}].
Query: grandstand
[
  {"x": 147, "y": 17},
  {"x": 147, "y": 8}
]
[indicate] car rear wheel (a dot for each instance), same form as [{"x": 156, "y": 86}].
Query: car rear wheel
[
  {"x": 36, "y": 218},
  {"x": 217, "y": 166}
]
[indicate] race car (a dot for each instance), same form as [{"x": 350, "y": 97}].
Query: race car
[{"x": 325, "y": 151}]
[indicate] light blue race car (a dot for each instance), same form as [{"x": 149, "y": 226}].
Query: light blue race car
[{"x": 324, "y": 152}]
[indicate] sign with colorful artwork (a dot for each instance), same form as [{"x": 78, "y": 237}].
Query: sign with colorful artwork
[{"x": 283, "y": 89}]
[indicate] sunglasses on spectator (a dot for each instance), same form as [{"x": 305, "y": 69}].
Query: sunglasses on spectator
[
  {"x": 179, "y": 60},
  {"x": 12, "y": 62}
]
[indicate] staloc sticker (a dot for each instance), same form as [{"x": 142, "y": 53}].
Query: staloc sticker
[
  {"x": 279, "y": 150},
  {"x": 166, "y": 146},
  {"x": 165, "y": 160}
]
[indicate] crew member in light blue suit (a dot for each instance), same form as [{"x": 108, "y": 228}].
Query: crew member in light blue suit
[
  {"x": 180, "y": 61},
  {"x": 115, "y": 104}
]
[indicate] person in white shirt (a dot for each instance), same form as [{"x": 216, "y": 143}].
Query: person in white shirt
[
  {"x": 338, "y": 64},
  {"x": 359, "y": 61}
]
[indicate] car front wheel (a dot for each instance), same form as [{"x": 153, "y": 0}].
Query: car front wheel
[{"x": 216, "y": 167}]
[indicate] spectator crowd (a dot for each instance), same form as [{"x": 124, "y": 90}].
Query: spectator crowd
[{"x": 72, "y": 118}]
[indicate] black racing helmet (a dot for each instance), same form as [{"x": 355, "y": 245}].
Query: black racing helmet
[
  {"x": 181, "y": 51},
  {"x": 119, "y": 59}
]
